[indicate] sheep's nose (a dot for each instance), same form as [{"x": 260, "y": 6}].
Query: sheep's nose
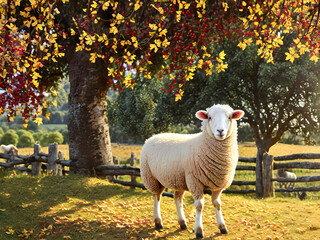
[{"x": 221, "y": 132}]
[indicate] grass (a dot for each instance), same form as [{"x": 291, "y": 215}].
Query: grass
[
  {"x": 77, "y": 207},
  {"x": 53, "y": 127}
]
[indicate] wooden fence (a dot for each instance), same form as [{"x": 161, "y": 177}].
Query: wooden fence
[
  {"x": 55, "y": 163},
  {"x": 52, "y": 162},
  {"x": 273, "y": 163}
]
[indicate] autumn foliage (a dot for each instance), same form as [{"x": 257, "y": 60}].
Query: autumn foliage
[{"x": 151, "y": 39}]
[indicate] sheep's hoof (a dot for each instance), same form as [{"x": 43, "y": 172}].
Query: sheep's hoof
[
  {"x": 199, "y": 235},
  {"x": 183, "y": 225},
  {"x": 224, "y": 231},
  {"x": 159, "y": 226}
]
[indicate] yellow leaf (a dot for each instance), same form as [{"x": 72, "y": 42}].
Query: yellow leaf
[
  {"x": 147, "y": 75},
  {"x": 137, "y": 5},
  {"x": 222, "y": 55},
  {"x": 291, "y": 55},
  {"x": 189, "y": 76},
  {"x": 38, "y": 120},
  {"x": 111, "y": 72},
  {"x": 106, "y": 5},
  {"x": 242, "y": 45},
  {"x": 93, "y": 57},
  {"x": 165, "y": 43},
  {"x": 35, "y": 83},
  {"x": 10, "y": 231},
  {"x": 178, "y": 16},
  {"x": 72, "y": 32},
  {"x": 314, "y": 58},
  {"x": 221, "y": 67},
  {"x": 79, "y": 47},
  {"x": 48, "y": 116},
  {"x": 153, "y": 26},
  {"x": 120, "y": 17},
  {"x": 153, "y": 46},
  {"x": 179, "y": 95},
  {"x": 159, "y": 9},
  {"x": 94, "y": 4},
  {"x": 113, "y": 30},
  {"x": 44, "y": 104}
]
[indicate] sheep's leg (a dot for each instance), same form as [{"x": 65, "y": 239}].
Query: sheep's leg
[
  {"x": 178, "y": 198},
  {"x": 198, "y": 227},
  {"x": 217, "y": 207},
  {"x": 156, "y": 210}
]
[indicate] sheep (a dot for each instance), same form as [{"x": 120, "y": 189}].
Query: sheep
[
  {"x": 285, "y": 174},
  {"x": 193, "y": 162},
  {"x": 9, "y": 148}
]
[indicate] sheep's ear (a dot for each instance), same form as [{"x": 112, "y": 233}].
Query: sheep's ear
[
  {"x": 202, "y": 115},
  {"x": 237, "y": 114}
]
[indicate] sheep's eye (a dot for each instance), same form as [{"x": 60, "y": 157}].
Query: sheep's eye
[{"x": 209, "y": 118}]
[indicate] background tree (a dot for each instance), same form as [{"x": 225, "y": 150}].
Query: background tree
[
  {"x": 10, "y": 137},
  {"x": 100, "y": 41},
  {"x": 26, "y": 140}
]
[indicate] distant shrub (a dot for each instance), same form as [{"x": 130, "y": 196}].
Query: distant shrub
[
  {"x": 37, "y": 136},
  {"x": 26, "y": 140},
  {"x": 55, "y": 137},
  {"x": 20, "y": 132},
  {"x": 65, "y": 135},
  {"x": 44, "y": 140},
  {"x": 10, "y": 137}
]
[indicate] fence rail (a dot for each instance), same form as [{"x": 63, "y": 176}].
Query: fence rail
[
  {"x": 53, "y": 160},
  {"x": 55, "y": 163}
]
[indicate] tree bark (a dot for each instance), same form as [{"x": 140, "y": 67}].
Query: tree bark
[{"x": 89, "y": 140}]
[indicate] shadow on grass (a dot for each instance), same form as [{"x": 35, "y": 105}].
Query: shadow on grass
[{"x": 35, "y": 203}]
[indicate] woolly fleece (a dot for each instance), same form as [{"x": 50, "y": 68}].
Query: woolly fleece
[{"x": 190, "y": 162}]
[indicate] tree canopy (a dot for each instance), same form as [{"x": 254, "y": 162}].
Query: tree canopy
[{"x": 143, "y": 38}]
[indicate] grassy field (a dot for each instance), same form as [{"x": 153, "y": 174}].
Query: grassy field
[{"x": 77, "y": 207}]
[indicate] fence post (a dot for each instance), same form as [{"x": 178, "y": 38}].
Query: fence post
[
  {"x": 115, "y": 162},
  {"x": 132, "y": 163},
  {"x": 60, "y": 168},
  {"x": 267, "y": 175},
  {"x": 52, "y": 158},
  {"x": 36, "y": 166}
]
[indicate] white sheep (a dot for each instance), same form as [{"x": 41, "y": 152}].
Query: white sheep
[
  {"x": 9, "y": 148},
  {"x": 285, "y": 174},
  {"x": 193, "y": 162}
]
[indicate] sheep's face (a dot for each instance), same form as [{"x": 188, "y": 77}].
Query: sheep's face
[{"x": 219, "y": 120}]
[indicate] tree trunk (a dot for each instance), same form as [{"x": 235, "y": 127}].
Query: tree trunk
[{"x": 89, "y": 140}]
